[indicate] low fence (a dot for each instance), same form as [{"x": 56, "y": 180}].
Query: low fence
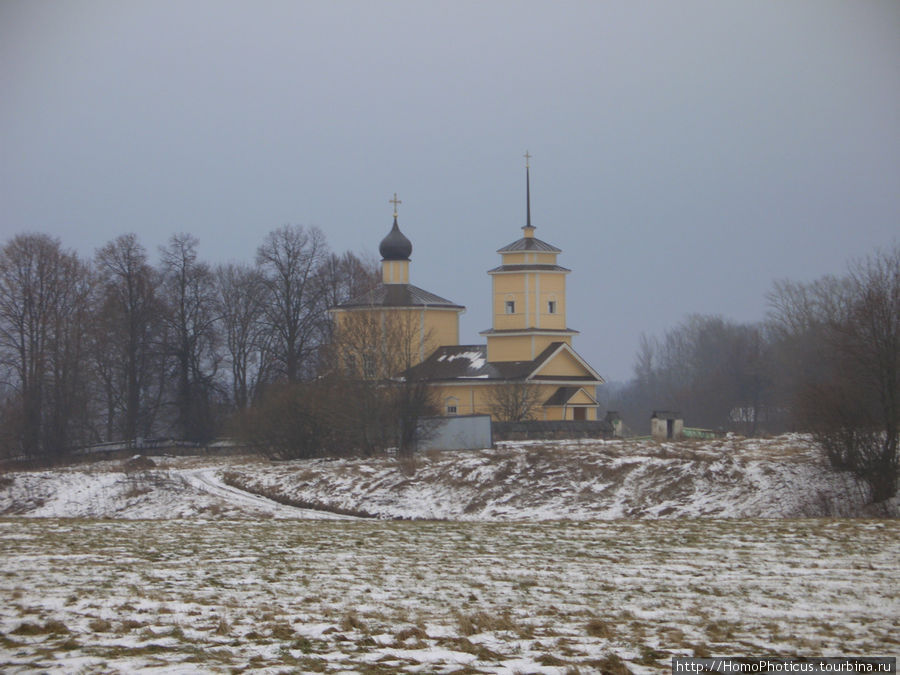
[
  {"x": 555, "y": 430},
  {"x": 153, "y": 447},
  {"x": 701, "y": 434},
  {"x": 465, "y": 432}
]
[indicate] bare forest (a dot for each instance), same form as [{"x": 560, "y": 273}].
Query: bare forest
[
  {"x": 129, "y": 346},
  {"x": 825, "y": 360}
]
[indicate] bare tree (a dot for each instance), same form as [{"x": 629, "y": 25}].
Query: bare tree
[
  {"x": 359, "y": 361},
  {"x": 348, "y": 276},
  {"x": 371, "y": 355},
  {"x": 70, "y": 409},
  {"x": 189, "y": 295},
  {"x": 291, "y": 420},
  {"x": 413, "y": 397},
  {"x": 843, "y": 335},
  {"x": 716, "y": 372},
  {"x": 241, "y": 307},
  {"x": 290, "y": 259},
  {"x": 344, "y": 277},
  {"x": 870, "y": 341},
  {"x": 43, "y": 309},
  {"x": 127, "y": 349},
  {"x": 514, "y": 401}
]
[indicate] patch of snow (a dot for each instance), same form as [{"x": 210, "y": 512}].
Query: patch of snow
[
  {"x": 101, "y": 491},
  {"x": 476, "y": 359}
]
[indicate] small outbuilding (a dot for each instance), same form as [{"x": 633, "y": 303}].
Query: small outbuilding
[
  {"x": 614, "y": 419},
  {"x": 666, "y": 425}
]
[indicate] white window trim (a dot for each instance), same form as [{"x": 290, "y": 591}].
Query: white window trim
[{"x": 509, "y": 303}]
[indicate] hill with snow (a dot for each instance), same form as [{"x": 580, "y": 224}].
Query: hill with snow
[{"x": 734, "y": 477}]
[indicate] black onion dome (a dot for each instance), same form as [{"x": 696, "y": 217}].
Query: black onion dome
[{"x": 395, "y": 246}]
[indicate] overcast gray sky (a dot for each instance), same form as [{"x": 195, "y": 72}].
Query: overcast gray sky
[{"x": 686, "y": 154}]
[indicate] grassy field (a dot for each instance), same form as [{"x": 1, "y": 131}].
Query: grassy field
[{"x": 387, "y": 597}]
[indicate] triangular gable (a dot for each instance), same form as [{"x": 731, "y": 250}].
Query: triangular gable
[
  {"x": 563, "y": 363},
  {"x": 570, "y": 396},
  {"x": 582, "y": 397}
]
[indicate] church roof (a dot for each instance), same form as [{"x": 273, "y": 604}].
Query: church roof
[
  {"x": 398, "y": 295},
  {"x": 469, "y": 362},
  {"x": 529, "y": 244}
]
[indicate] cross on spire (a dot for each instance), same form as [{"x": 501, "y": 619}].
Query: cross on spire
[
  {"x": 395, "y": 202},
  {"x": 527, "y": 157}
]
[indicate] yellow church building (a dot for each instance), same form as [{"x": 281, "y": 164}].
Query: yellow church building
[{"x": 527, "y": 368}]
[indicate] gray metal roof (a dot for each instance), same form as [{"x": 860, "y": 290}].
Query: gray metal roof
[
  {"x": 529, "y": 244},
  {"x": 398, "y": 295},
  {"x": 529, "y": 267},
  {"x": 562, "y": 395},
  {"x": 469, "y": 362}
]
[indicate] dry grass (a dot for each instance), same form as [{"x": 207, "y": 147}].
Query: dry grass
[
  {"x": 100, "y": 626},
  {"x": 484, "y": 622},
  {"x": 611, "y": 664},
  {"x": 52, "y": 627},
  {"x": 242, "y": 482},
  {"x": 352, "y": 622},
  {"x": 599, "y": 629}
]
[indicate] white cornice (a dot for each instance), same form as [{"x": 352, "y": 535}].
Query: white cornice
[{"x": 491, "y": 332}]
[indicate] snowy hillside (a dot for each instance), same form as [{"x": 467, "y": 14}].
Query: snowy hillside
[
  {"x": 540, "y": 480},
  {"x": 732, "y": 477},
  {"x": 175, "y": 488}
]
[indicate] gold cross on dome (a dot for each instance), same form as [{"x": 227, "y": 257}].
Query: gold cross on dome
[
  {"x": 395, "y": 202},
  {"x": 527, "y": 157}
]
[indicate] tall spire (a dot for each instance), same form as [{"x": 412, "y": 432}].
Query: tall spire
[{"x": 529, "y": 228}]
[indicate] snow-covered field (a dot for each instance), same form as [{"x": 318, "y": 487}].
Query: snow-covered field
[
  {"x": 277, "y": 595},
  {"x": 553, "y": 557},
  {"x": 784, "y": 477}
]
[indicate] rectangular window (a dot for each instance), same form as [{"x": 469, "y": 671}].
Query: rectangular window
[
  {"x": 451, "y": 409},
  {"x": 510, "y": 306},
  {"x": 551, "y": 307}
]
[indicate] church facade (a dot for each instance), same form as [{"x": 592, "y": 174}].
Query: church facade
[{"x": 526, "y": 369}]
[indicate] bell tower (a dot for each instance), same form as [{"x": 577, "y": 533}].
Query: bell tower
[{"x": 529, "y": 295}]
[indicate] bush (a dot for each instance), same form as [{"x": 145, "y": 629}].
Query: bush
[{"x": 290, "y": 422}]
